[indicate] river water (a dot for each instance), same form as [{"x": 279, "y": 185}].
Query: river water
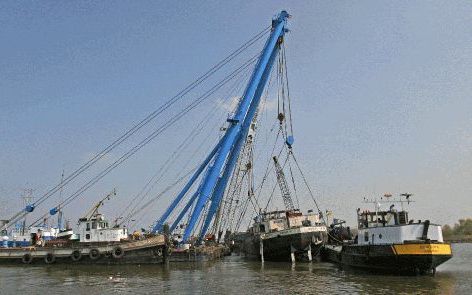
[{"x": 233, "y": 275}]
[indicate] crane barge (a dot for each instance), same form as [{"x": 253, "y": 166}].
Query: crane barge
[
  {"x": 213, "y": 174},
  {"x": 220, "y": 162}
]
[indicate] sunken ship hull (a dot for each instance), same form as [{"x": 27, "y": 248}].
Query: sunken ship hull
[
  {"x": 279, "y": 246},
  {"x": 283, "y": 236},
  {"x": 405, "y": 259}
]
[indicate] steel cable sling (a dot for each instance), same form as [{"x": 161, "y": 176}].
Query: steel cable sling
[{"x": 139, "y": 125}]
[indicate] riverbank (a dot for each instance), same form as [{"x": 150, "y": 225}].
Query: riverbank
[{"x": 457, "y": 240}]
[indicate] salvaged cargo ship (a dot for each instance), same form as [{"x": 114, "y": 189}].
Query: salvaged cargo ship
[
  {"x": 389, "y": 241},
  {"x": 283, "y": 236}
]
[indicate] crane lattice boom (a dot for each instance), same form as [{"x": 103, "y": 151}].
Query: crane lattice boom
[{"x": 287, "y": 197}]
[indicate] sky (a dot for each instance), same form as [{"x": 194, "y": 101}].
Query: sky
[{"x": 381, "y": 94}]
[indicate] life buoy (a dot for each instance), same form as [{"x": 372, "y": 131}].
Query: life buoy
[
  {"x": 50, "y": 258},
  {"x": 76, "y": 255},
  {"x": 94, "y": 254},
  {"x": 27, "y": 258},
  {"x": 118, "y": 252}
]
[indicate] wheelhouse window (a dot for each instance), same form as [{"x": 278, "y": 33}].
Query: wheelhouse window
[
  {"x": 94, "y": 225},
  {"x": 366, "y": 236},
  {"x": 87, "y": 226}
]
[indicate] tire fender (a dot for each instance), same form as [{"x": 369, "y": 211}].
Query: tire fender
[
  {"x": 94, "y": 254},
  {"x": 27, "y": 258},
  {"x": 76, "y": 255},
  {"x": 118, "y": 252},
  {"x": 50, "y": 258}
]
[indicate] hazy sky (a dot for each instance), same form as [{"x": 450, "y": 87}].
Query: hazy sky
[{"x": 381, "y": 93}]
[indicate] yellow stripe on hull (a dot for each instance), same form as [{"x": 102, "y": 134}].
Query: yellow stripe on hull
[{"x": 423, "y": 249}]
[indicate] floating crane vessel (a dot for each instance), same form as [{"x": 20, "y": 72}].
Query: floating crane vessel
[{"x": 99, "y": 242}]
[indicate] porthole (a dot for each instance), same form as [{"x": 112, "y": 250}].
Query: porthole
[{"x": 380, "y": 236}]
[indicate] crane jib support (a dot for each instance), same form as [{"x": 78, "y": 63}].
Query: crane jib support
[
  {"x": 223, "y": 181},
  {"x": 160, "y": 222},
  {"x": 287, "y": 198},
  {"x": 235, "y": 129},
  {"x": 184, "y": 211}
]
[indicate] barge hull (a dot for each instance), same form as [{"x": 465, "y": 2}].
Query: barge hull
[
  {"x": 280, "y": 246},
  {"x": 387, "y": 258},
  {"x": 152, "y": 250},
  {"x": 141, "y": 256}
]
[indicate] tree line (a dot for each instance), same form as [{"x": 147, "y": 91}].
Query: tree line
[{"x": 459, "y": 231}]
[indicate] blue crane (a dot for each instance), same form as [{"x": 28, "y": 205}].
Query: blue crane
[{"x": 220, "y": 163}]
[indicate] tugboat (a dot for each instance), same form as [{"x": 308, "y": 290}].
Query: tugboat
[
  {"x": 96, "y": 243},
  {"x": 388, "y": 241}
]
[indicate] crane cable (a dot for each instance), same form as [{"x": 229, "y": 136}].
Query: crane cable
[
  {"x": 234, "y": 89},
  {"x": 141, "y": 124},
  {"x": 154, "y": 134},
  {"x": 168, "y": 188},
  {"x": 203, "y": 123},
  {"x": 231, "y": 191},
  {"x": 161, "y": 172}
]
